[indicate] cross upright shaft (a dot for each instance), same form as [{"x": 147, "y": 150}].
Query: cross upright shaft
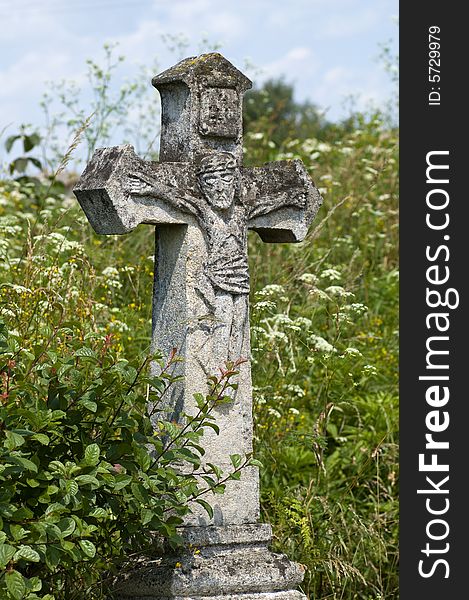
[{"x": 203, "y": 202}]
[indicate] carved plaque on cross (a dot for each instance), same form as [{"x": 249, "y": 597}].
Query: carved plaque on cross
[{"x": 203, "y": 202}]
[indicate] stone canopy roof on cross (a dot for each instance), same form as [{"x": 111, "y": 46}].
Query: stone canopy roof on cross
[{"x": 211, "y": 67}]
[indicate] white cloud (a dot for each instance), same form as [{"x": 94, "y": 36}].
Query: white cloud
[
  {"x": 347, "y": 24},
  {"x": 297, "y": 62},
  {"x": 339, "y": 86}
]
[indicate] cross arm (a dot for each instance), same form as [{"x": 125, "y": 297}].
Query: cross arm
[
  {"x": 281, "y": 200},
  {"x": 110, "y": 191}
]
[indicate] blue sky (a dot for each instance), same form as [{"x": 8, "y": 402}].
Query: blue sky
[{"x": 327, "y": 48}]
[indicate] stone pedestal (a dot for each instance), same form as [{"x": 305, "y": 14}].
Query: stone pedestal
[{"x": 217, "y": 563}]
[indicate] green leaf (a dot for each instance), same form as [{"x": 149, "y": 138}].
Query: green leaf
[
  {"x": 71, "y": 487},
  {"x": 19, "y": 164},
  {"x": 55, "y": 507},
  {"x": 18, "y": 532},
  {"x": 52, "y": 556},
  {"x": 27, "y": 553},
  {"x": 13, "y": 440},
  {"x": 27, "y": 464},
  {"x": 86, "y": 480},
  {"x": 10, "y": 141},
  {"x": 67, "y": 526},
  {"x": 143, "y": 458},
  {"x": 56, "y": 465},
  {"x": 34, "y": 584},
  {"x": 122, "y": 481},
  {"x": 216, "y": 470},
  {"x": 253, "y": 462},
  {"x": 30, "y": 141},
  {"x": 215, "y": 427},
  {"x": 206, "y": 506},
  {"x": 22, "y": 513},
  {"x": 98, "y": 513},
  {"x": 6, "y": 554},
  {"x": 87, "y": 547},
  {"x": 200, "y": 399},
  {"x": 236, "y": 460},
  {"x": 146, "y": 515},
  {"x": 84, "y": 351},
  {"x": 89, "y": 404},
  {"x": 92, "y": 455},
  {"x": 16, "y": 584},
  {"x": 42, "y": 438}
]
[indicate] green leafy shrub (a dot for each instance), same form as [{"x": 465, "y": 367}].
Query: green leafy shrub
[{"x": 88, "y": 474}]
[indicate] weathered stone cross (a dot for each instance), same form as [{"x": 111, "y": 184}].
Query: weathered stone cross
[{"x": 203, "y": 201}]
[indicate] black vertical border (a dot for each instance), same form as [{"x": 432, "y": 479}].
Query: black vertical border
[{"x": 425, "y": 128}]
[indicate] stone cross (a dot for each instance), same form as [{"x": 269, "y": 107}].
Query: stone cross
[{"x": 203, "y": 202}]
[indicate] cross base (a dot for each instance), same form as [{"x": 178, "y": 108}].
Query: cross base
[{"x": 217, "y": 563}]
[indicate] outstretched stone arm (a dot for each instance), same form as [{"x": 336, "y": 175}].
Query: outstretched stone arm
[
  {"x": 114, "y": 188},
  {"x": 142, "y": 185},
  {"x": 281, "y": 200},
  {"x": 275, "y": 201}
]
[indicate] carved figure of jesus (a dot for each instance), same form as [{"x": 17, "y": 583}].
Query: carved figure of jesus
[{"x": 223, "y": 218}]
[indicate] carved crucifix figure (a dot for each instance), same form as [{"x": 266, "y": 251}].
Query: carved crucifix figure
[
  {"x": 203, "y": 202},
  {"x": 223, "y": 217}
]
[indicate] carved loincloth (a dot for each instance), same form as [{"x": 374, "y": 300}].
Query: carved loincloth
[{"x": 227, "y": 266}]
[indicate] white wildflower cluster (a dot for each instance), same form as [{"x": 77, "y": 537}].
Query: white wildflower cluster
[
  {"x": 308, "y": 278},
  {"x": 19, "y": 289},
  {"x": 9, "y": 225},
  {"x": 331, "y": 275},
  {"x": 337, "y": 291},
  {"x": 264, "y": 306},
  {"x": 315, "y": 148},
  {"x": 274, "y": 412},
  {"x": 351, "y": 352},
  {"x": 319, "y": 344},
  {"x": 283, "y": 320},
  {"x": 112, "y": 277},
  {"x": 259, "y": 397},
  {"x": 369, "y": 370},
  {"x": 357, "y": 308},
  {"x": 73, "y": 292},
  {"x": 53, "y": 276},
  {"x": 304, "y": 323},
  {"x": 295, "y": 390},
  {"x": 4, "y": 246},
  {"x": 319, "y": 294},
  {"x": 255, "y": 135},
  {"x": 61, "y": 243},
  {"x": 119, "y": 326},
  {"x": 272, "y": 291}
]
